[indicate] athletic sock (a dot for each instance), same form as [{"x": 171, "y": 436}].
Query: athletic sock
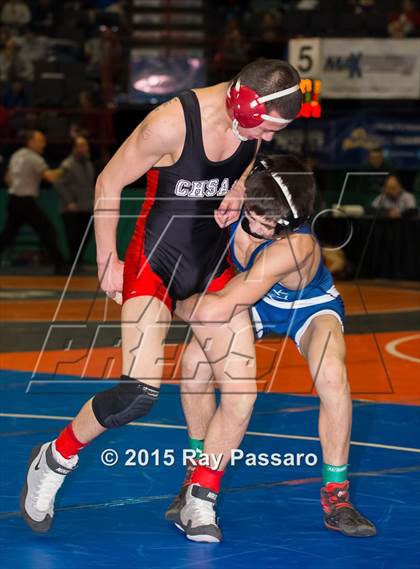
[
  {"x": 67, "y": 444},
  {"x": 196, "y": 445},
  {"x": 337, "y": 474},
  {"x": 207, "y": 477}
]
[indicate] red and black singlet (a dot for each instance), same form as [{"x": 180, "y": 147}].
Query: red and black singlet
[{"x": 177, "y": 248}]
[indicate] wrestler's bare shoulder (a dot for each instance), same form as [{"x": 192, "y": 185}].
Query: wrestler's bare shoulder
[
  {"x": 298, "y": 247},
  {"x": 165, "y": 123},
  {"x": 211, "y": 99},
  {"x": 166, "y": 109},
  {"x": 168, "y": 114}
]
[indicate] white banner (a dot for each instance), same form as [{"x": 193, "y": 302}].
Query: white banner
[{"x": 360, "y": 68}]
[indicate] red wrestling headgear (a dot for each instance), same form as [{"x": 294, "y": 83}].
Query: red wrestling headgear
[{"x": 248, "y": 108}]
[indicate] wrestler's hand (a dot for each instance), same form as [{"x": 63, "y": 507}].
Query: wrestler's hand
[
  {"x": 231, "y": 206},
  {"x": 110, "y": 274}
]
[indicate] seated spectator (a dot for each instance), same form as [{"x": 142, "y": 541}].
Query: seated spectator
[
  {"x": 13, "y": 65},
  {"x": 87, "y": 124},
  {"x": 233, "y": 50},
  {"x": 15, "y": 13},
  {"x": 93, "y": 52},
  {"x": 376, "y": 163},
  {"x": 269, "y": 25},
  {"x": 32, "y": 47},
  {"x": 363, "y": 6},
  {"x": 394, "y": 199},
  {"x": 406, "y": 22},
  {"x": 86, "y": 102},
  {"x": 15, "y": 95},
  {"x": 120, "y": 8}
]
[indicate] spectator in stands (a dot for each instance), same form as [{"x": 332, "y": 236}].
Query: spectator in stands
[
  {"x": 377, "y": 163},
  {"x": 25, "y": 171},
  {"x": 270, "y": 23},
  {"x": 13, "y": 65},
  {"x": 15, "y": 95},
  {"x": 76, "y": 191},
  {"x": 363, "y": 6},
  {"x": 87, "y": 124},
  {"x": 233, "y": 50},
  {"x": 15, "y": 13},
  {"x": 32, "y": 47},
  {"x": 86, "y": 100},
  {"x": 269, "y": 34},
  {"x": 406, "y": 22},
  {"x": 92, "y": 50},
  {"x": 394, "y": 200},
  {"x": 120, "y": 9}
]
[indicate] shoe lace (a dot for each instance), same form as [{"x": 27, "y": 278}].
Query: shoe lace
[
  {"x": 340, "y": 498},
  {"x": 188, "y": 475}
]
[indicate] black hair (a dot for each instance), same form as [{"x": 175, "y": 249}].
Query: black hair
[
  {"x": 263, "y": 195},
  {"x": 266, "y": 76},
  {"x": 29, "y": 134},
  {"x": 393, "y": 175}
]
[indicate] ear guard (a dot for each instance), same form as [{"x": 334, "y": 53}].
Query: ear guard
[{"x": 248, "y": 108}]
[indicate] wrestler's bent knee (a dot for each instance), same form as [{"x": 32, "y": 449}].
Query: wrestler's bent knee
[{"x": 126, "y": 402}]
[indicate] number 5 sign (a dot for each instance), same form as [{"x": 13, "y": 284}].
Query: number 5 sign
[{"x": 305, "y": 56}]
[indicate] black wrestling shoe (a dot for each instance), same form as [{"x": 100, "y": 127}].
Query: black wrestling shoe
[
  {"x": 340, "y": 514},
  {"x": 172, "y": 513}
]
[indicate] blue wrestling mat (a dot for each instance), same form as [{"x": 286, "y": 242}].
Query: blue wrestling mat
[{"x": 113, "y": 516}]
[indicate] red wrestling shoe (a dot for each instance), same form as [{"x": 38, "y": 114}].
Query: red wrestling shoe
[{"x": 340, "y": 514}]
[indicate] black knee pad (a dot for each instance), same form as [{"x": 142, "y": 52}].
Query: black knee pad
[{"x": 126, "y": 402}]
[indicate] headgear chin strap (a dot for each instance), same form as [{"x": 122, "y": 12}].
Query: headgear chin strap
[
  {"x": 236, "y": 131},
  {"x": 248, "y": 108},
  {"x": 247, "y": 228}
]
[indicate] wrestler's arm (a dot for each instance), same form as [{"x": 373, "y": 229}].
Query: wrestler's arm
[
  {"x": 156, "y": 136},
  {"x": 231, "y": 205},
  {"x": 244, "y": 290}
]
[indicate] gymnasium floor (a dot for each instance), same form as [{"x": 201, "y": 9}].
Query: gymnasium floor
[{"x": 55, "y": 344}]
